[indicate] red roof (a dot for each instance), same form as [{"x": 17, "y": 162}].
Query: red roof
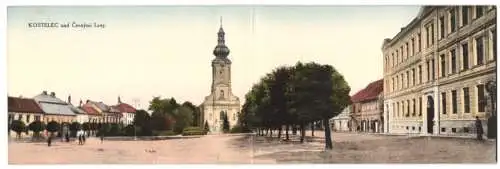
[
  {"x": 16, "y": 104},
  {"x": 89, "y": 110},
  {"x": 124, "y": 107},
  {"x": 370, "y": 92}
]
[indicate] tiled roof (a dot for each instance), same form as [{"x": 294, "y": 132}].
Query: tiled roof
[
  {"x": 370, "y": 92},
  {"x": 16, "y": 104},
  {"x": 114, "y": 109},
  {"x": 101, "y": 105},
  {"x": 53, "y": 105},
  {"x": 124, "y": 107},
  {"x": 89, "y": 110},
  {"x": 77, "y": 110}
]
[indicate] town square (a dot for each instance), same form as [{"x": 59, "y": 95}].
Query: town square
[{"x": 253, "y": 85}]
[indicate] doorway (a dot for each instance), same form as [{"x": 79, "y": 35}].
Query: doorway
[{"x": 430, "y": 114}]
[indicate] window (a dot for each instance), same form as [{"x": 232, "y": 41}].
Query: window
[
  {"x": 397, "y": 82},
  {"x": 398, "y": 109},
  {"x": 443, "y": 101},
  {"x": 432, "y": 68},
  {"x": 479, "y": 11},
  {"x": 402, "y": 54},
  {"x": 466, "y": 129},
  {"x": 20, "y": 117},
  {"x": 393, "y": 84},
  {"x": 452, "y": 21},
  {"x": 412, "y": 46},
  {"x": 414, "y": 106},
  {"x": 427, "y": 44},
  {"x": 432, "y": 34},
  {"x": 453, "y": 61},
  {"x": 419, "y": 73},
  {"x": 420, "y": 106},
  {"x": 443, "y": 65},
  {"x": 428, "y": 71},
  {"x": 494, "y": 33},
  {"x": 28, "y": 118},
  {"x": 393, "y": 110},
  {"x": 407, "y": 108},
  {"x": 407, "y": 79},
  {"x": 481, "y": 98},
  {"x": 10, "y": 118},
  {"x": 413, "y": 76},
  {"x": 397, "y": 57},
  {"x": 419, "y": 42},
  {"x": 454, "y": 101},
  {"x": 466, "y": 100},
  {"x": 441, "y": 27},
  {"x": 479, "y": 50},
  {"x": 453, "y": 130},
  {"x": 465, "y": 15},
  {"x": 392, "y": 59},
  {"x": 465, "y": 56},
  {"x": 443, "y": 129},
  {"x": 407, "y": 51}
]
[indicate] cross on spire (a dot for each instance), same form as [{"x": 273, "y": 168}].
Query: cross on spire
[{"x": 221, "y": 21}]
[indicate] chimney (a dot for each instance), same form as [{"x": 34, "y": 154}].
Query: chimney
[
  {"x": 44, "y": 92},
  {"x": 119, "y": 100},
  {"x": 81, "y": 102},
  {"x": 69, "y": 99},
  {"x": 87, "y": 101},
  {"x": 53, "y": 94}
]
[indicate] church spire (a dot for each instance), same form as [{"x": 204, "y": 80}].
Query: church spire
[{"x": 221, "y": 50}]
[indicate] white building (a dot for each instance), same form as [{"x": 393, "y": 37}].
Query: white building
[
  {"x": 221, "y": 99},
  {"x": 340, "y": 123},
  {"x": 127, "y": 111}
]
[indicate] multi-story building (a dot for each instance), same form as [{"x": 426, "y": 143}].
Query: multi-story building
[
  {"x": 436, "y": 68},
  {"x": 127, "y": 111},
  {"x": 368, "y": 108},
  {"x": 23, "y": 109},
  {"x": 109, "y": 114},
  {"x": 54, "y": 108},
  {"x": 341, "y": 122}
]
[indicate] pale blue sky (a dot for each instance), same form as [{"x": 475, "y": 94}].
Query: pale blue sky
[{"x": 167, "y": 50}]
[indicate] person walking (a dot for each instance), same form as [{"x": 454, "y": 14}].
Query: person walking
[
  {"x": 479, "y": 129},
  {"x": 49, "y": 140},
  {"x": 79, "y": 135},
  {"x": 102, "y": 137},
  {"x": 83, "y": 137}
]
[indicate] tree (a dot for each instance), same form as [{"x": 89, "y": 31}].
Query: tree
[
  {"x": 142, "y": 121},
  {"x": 195, "y": 112},
  {"x": 52, "y": 127},
  {"x": 36, "y": 127},
  {"x": 86, "y": 127},
  {"x": 74, "y": 127},
  {"x": 183, "y": 118},
  {"x": 129, "y": 130},
  {"x": 18, "y": 126}
]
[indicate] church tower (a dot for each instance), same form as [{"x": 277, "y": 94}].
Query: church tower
[{"x": 221, "y": 100}]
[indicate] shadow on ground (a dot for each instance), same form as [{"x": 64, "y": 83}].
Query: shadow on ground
[{"x": 377, "y": 149}]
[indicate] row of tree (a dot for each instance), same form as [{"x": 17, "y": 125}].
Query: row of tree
[
  {"x": 167, "y": 115},
  {"x": 296, "y": 96}
]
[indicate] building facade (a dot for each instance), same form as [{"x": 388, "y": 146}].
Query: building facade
[
  {"x": 368, "y": 108},
  {"x": 342, "y": 122},
  {"x": 127, "y": 111},
  {"x": 23, "y": 109},
  {"x": 436, "y": 68},
  {"x": 221, "y": 99},
  {"x": 54, "y": 108}
]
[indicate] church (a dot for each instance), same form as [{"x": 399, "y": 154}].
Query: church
[{"x": 221, "y": 99}]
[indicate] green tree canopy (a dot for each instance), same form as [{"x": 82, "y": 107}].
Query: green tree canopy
[{"x": 18, "y": 126}]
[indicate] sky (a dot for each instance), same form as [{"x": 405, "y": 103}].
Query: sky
[{"x": 147, "y": 51}]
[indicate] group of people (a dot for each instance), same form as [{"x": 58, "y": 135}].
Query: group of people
[
  {"x": 80, "y": 134},
  {"x": 81, "y": 137}
]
